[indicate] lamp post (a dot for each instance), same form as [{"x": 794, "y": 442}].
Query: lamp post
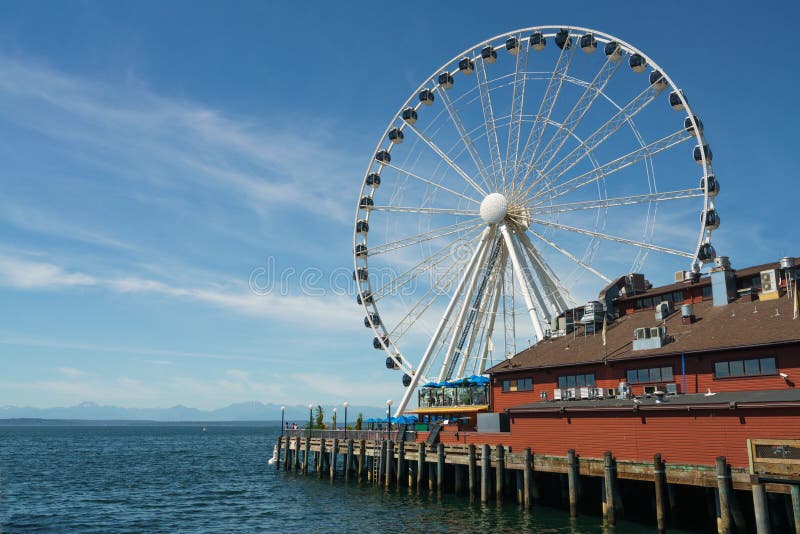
[
  {"x": 310, "y": 412},
  {"x": 334, "y": 419},
  {"x": 388, "y": 417},
  {"x": 283, "y": 412},
  {"x": 346, "y": 406}
]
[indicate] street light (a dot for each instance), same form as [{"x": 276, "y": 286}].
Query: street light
[
  {"x": 334, "y": 418},
  {"x": 310, "y": 412},
  {"x": 283, "y": 411},
  {"x": 388, "y": 416},
  {"x": 346, "y": 406}
]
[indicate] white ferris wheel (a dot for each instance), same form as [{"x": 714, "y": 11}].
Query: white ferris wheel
[{"x": 517, "y": 179}]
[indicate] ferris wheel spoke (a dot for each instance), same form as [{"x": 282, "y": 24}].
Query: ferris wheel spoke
[
  {"x": 470, "y": 267},
  {"x": 572, "y": 257},
  {"x": 455, "y": 117},
  {"x": 426, "y": 211},
  {"x": 428, "y": 235},
  {"x": 641, "y": 101},
  {"x": 437, "y": 289},
  {"x": 424, "y": 266},
  {"x": 615, "y": 239},
  {"x": 556, "y": 190},
  {"x": 431, "y": 183},
  {"x": 491, "y": 126},
  {"x": 576, "y": 114},
  {"x": 498, "y": 293},
  {"x": 452, "y": 164},
  {"x": 546, "y": 107},
  {"x": 618, "y": 201},
  {"x": 517, "y": 107}
]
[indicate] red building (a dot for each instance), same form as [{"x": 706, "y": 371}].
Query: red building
[{"x": 690, "y": 370}]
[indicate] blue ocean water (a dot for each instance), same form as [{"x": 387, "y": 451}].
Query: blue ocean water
[{"x": 179, "y": 478}]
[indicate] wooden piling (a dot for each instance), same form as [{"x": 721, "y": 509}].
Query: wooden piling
[
  {"x": 296, "y": 454},
  {"x": 362, "y": 459},
  {"x": 500, "y": 474},
  {"x": 796, "y": 507},
  {"x": 440, "y": 469},
  {"x": 609, "y": 477},
  {"x": 520, "y": 487},
  {"x": 278, "y": 455},
  {"x": 723, "y": 490},
  {"x": 659, "y": 479},
  {"x": 401, "y": 463},
  {"x": 381, "y": 464},
  {"x": 527, "y": 479},
  {"x": 321, "y": 458},
  {"x": 572, "y": 482},
  {"x": 306, "y": 454},
  {"x": 334, "y": 456},
  {"x": 420, "y": 466},
  {"x": 389, "y": 463},
  {"x": 760, "y": 507},
  {"x": 486, "y": 463},
  {"x": 348, "y": 460},
  {"x": 471, "y": 472},
  {"x": 431, "y": 475}
]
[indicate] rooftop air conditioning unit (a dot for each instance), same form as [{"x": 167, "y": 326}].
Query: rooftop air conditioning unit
[
  {"x": 769, "y": 281},
  {"x": 680, "y": 276},
  {"x": 671, "y": 389},
  {"x": 663, "y": 310},
  {"x": 557, "y": 394},
  {"x": 571, "y": 394},
  {"x": 584, "y": 392},
  {"x": 597, "y": 393}
]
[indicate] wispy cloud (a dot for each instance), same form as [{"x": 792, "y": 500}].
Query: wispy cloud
[
  {"x": 138, "y": 135},
  {"x": 26, "y": 274}
]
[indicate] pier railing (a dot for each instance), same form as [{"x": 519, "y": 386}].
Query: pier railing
[{"x": 356, "y": 435}]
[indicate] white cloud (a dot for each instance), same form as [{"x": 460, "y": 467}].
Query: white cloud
[
  {"x": 70, "y": 371},
  {"x": 25, "y": 274}
]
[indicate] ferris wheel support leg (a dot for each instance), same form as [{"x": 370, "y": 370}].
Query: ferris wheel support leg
[
  {"x": 465, "y": 306},
  {"x": 475, "y": 335},
  {"x": 435, "y": 339},
  {"x": 492, "y": 317},
  {"x": 545, "y": 274},
  {"x": 526, "y": 294}
]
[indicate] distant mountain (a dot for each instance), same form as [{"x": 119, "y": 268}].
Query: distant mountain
[{"x": 242, "y": 411}]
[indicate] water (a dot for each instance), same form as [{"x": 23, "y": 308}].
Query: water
[{"x": 178, "y": 478}]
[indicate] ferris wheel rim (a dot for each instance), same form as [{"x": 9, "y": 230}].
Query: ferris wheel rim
[{"x": 430, "y": 83}]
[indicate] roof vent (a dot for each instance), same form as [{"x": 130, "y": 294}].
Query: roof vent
[
  {"x": 687, "y": 314},
  {"x": 663, "y": 310},
  {"x": 787, "y": 263}
]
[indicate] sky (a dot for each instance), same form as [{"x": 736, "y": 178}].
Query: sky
[{"x": 178, "y": 179}]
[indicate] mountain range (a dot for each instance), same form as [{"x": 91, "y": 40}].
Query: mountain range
[{"x": 243, "y": 411}]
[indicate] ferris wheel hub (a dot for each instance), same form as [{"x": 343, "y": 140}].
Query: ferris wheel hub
[{"x": 494, "y": 209}]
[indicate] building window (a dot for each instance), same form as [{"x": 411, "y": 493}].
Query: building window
[
  {"x": 678, "y": 297},
  {"x": 707, "y": 294},
  {"x": 518, "y": 384},
  {"x": 573, "y": 381},
  {"x": 749, "y": 367},
  {"x": 647, "y": 375}
]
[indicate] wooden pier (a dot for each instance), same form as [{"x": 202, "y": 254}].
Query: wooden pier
[{"x": 501, "y": 473}]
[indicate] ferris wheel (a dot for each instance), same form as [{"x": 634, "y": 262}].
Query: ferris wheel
[{"x": 516, "y": 180}]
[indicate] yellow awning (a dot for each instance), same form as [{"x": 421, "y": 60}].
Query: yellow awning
[{"x": 450, "y": 409}]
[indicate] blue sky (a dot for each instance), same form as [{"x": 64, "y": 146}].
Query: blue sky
[{"x": 156, "y": 156}]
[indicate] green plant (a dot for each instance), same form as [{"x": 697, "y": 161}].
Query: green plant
[
  {"x": 319, "y": 417},
  {"x": 359, "y": 421}
]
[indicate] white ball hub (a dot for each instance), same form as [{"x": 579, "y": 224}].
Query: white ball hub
[{"x": 494, "y": 208}]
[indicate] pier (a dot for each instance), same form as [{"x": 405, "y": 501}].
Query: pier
[{"x": 610, "y": 486}]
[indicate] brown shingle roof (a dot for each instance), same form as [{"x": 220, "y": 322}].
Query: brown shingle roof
[{"x": 738, "y": 324}]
